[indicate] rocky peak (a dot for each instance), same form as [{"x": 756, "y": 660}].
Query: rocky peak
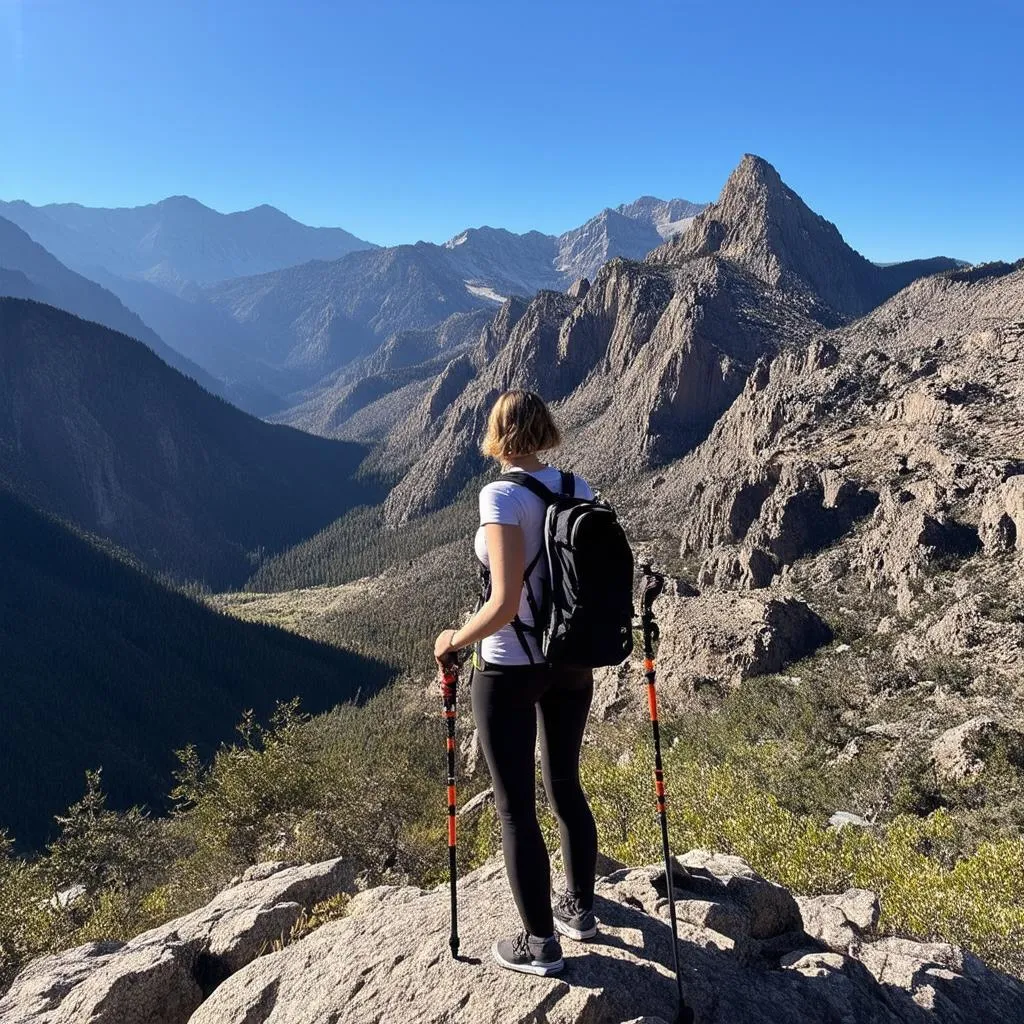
[
  {"x": 583, "y": 251},
  {"x": 761, "y": 224}
]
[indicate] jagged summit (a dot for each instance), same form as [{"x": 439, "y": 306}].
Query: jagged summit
[
  {"x": 669, "y": 217},
  {"x": 761, "y": 224}
]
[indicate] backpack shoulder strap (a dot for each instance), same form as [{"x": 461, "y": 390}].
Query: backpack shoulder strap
[
  {"x": 568, "y": 484},
  {"x": 517, "y": 476}
]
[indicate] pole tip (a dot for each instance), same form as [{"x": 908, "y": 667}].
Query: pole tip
[{"x": 453, "y": 942}]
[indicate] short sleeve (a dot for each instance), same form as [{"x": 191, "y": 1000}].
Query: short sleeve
[
  {"x": 583, "y": 489},
  {"x": 500, "y": 504}
]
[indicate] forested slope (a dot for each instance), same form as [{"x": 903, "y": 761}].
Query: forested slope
[
  {"x": 102, "y": 666},
  {"x": 98, "y": 430}
]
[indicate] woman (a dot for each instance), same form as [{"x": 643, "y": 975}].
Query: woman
[{"x": 516, "y": 694}]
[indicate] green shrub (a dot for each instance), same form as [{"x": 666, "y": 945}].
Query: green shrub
[{"x": 930, "y": 886}]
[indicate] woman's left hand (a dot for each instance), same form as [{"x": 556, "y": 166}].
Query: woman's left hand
[{"x": 443, "y": 649}]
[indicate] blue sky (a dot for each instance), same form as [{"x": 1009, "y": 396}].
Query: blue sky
[{"x": 902, "y": 122}]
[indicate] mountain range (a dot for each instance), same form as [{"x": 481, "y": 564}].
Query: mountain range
[
  {"x": 646, "y": 359},
  {"x": 270, "y": 308},
  {"x": 28, "y": 271},
  {"x": 178, "y": 240}
]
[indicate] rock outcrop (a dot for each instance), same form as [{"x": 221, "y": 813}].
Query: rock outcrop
[
  {"x": 961, "y": 752},
  {"x": 388, "y": 961},
  {"x": 750, "y": 953},
  {"x": 716, "y": 639},
  {"x": 840, "y": 921},
  {"x": 161, "y": 976},
  {"x": 1002, "y": 517},
  {"x": 728, "y": 637}
]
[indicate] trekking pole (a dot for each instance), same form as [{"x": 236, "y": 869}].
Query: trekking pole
[
  {"x": 449, "y": 687},
  {"x": 654, "y": 583}
]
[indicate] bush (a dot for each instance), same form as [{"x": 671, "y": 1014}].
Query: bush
[
  {"x": 929, "y": 884},
  {"x": 358, "y": 783}
]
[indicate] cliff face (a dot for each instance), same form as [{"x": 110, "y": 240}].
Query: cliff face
[
  {"x": 916, "y": 407},
  {"x": 640, "y": 367}
]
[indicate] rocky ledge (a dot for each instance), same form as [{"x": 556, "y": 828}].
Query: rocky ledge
[{"x": 751, "y": 954}]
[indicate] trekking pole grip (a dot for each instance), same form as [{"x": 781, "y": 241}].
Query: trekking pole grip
[{"x": 654, "y": 584}]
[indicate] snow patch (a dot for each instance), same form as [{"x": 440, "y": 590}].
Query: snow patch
[
  {"x": 482, "y": 291},
  {"x": 668, "y": 228}
]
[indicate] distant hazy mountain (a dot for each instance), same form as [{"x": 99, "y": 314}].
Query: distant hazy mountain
[
  {"x": 308, "y": 321},
  {"x": 177, "y": 240},
  {"x": 104, "y": 667},
  {"x": 193, "y": 326},
  {"x": 95, "y": 428},
  {"x": 28, "y": 271}
]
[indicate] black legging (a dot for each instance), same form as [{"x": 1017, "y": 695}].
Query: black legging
[{"x": 508, "y": 705}]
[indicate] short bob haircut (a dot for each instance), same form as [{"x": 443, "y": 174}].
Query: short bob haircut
[{"x": 519, "y": 424}]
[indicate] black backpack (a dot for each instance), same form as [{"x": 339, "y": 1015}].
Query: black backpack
[{"x": 584, "y": 617}]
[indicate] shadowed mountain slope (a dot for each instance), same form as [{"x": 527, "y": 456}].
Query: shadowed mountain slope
[
  {"x": 208, "y": 336},
  {"x": 28, "y": 271},
  {"x": 94, "y": 427},
  {"x": 111, "y": 669}
]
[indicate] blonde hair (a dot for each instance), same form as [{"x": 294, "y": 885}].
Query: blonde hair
[{"x": 519, "y": 424}]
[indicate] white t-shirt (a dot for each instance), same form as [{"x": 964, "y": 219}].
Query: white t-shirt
[{"x": 513, "y": 505}]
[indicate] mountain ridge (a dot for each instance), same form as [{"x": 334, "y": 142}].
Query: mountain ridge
[
  {"x": 94, "y": 427},
  {"x": 764, "y": 226},
  {"x": 313, "y": 318},
  {"x": 645, "y": 360},
  {"x": 158, "y": 241},
  {"x": 45, "y": 279}
]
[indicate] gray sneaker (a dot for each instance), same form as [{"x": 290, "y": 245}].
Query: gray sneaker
[
  {"x": 529, "y": 955},
  {"x": 573, "y": 918}
]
